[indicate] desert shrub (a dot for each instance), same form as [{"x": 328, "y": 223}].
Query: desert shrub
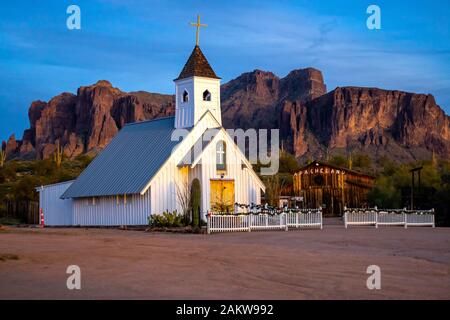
[
  {"x": 84, "y": 160},
  {"x": 166, "y": 219},
  {"x": 2, "y": 176},
  {"x": 385, "y": 194},
  {"x": 9, "y": 171},
  {"x": 25, "y": 188},
  {"x": 9, "y": 221},
  {"x": 339, "y": 161},
  {"x": 45, "y": 168},
  {"x": 362, "y": 161},
  {"x": 288, "y": 163}
]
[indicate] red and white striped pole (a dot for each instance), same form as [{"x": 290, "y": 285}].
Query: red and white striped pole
[{"x": 41, "y": 224}]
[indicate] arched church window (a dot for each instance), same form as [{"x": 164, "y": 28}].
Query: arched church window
[
  {"x": 185, "y": 96},
  {"x": 221, "y": 156},
  {"x": 206, "y": 95}
]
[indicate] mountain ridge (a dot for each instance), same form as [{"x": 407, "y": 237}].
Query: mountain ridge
[{"x": 313, "y": 122}]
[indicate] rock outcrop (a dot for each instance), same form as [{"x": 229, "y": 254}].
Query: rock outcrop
[
  {"x": 256, "y": 99},
  {"x": 403, "y": 126},
  {"x": 85, "y": 122}
]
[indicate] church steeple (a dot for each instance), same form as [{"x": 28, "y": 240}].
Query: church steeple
[
  {"x": 197, "y": 65},
  {"x": 197, "y": 89}
]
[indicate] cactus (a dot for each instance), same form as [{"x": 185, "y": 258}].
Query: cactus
[
  {"x": 434, "y": 161},
  {"x": 58, "y": 155},
  {"x": 350, "y": 160},
  {"x": 2, "y": 158},
  {"x": 327, "y": 155},
  {"x": 196, "y": 195}
]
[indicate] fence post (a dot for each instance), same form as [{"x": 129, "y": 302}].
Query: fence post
[
  {"x": 376, "y": 220},
  {"x": 208, "y": 223},
  {"x": 345, "y": 219},
  {"x": 249, "y": 221},
  {"x": 321, "y": 217},
  {"x": 432, "y": 217},
  {"x": 405, "y": 220}
]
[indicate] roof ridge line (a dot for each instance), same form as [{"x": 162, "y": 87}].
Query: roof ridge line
[{"x": 149, "y": 120}]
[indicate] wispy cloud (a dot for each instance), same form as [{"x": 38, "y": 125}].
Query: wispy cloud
[{"x": 142, "y": 45}]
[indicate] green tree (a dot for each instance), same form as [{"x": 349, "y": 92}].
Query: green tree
[
  {"x": 288, "y": 163},
  {"x": 362, "y": 161},
  {"x": 339, "y": 161},
  {"x": 24, "y": 189},
  {"x": 44, "y": 168},
  {"x": 385, "y": 194}
]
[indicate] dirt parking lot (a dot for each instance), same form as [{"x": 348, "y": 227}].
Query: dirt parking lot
[{"x": 306, "y": 264}]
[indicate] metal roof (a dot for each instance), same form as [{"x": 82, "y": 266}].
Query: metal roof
[
  {"x": 129, "y": 161},
  {"x": 42, "y": 187}
]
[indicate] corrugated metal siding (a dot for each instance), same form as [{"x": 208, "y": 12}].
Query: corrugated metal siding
[
  {"x": 129, "y": 162},
  {"x": 57, "y": 212},
  {"x": 107, "y": 212}
]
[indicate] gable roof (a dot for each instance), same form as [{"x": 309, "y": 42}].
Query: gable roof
[
  {"x": 197, "y": 65},
  {"x": 129, "y": 161}
]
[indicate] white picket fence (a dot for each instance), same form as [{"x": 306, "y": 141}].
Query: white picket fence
[
  {"x": 305, "y": 219},
  {"x": 267, "y": 222},
  {"x": 360, "y": 218},
  {"x": 389, "y": 217},
  {"x": 251, "y": 222}
]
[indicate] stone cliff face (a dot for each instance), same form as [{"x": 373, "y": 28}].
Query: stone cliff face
[
  {"x": 403, "y": 126},
  {"x": 85, "y": 122},
  {"x": 256, "y": 99}
]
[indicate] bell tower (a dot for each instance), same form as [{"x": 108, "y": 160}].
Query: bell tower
[{"x": 197, "y": 88}]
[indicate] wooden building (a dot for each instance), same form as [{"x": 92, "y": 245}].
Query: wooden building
[{"x": 331, "y": 187}]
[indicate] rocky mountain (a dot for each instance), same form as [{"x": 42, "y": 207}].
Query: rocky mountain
[
  {"x": 403, "y": 126},
  {"x": 85, "y": 122},
  {"x": 255, "y": 99}
]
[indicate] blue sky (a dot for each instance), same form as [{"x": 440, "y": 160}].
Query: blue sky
[{"x": 143, "y": 44}]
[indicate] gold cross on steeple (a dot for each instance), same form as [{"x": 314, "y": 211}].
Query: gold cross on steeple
[{"x": 198, "y": 25}]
